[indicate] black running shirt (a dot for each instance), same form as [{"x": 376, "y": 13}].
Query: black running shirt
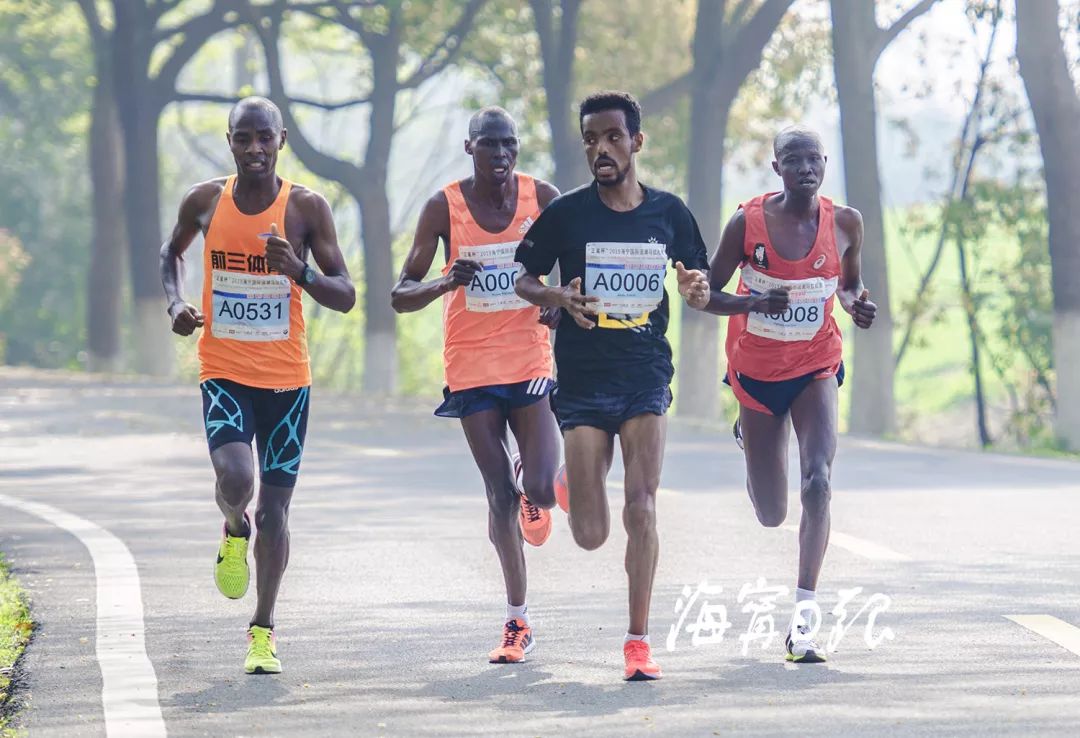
[{"x": 621, "y": 256}]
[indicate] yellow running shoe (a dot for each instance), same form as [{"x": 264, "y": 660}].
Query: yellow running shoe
[
  {"x": 262, "y": 652},
  {"x": 231, "y": 572}
]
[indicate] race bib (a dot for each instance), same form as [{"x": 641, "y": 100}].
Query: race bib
[
  {"x": 492, "y": 289},
  {"x": 805, "y": 313},
  {"x": 627, "y": 277},
  {"x": 250, "y": 307}
]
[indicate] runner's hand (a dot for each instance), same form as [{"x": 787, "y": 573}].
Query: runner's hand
[
  {"x": 771, "y": 302},
  {"x": 578, "y": 305},
  {"x": 461, "y": 273},
  {"x": 280, "y": 255},
  {"x": 693, "y": 286},
  {"x": 863, "y": 311},
  {"x": 550, "y": 317},
  {"x": 185, "y": 318}
]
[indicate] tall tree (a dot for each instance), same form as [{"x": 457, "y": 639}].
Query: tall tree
[
  {"x": 557, "y": 28},
  {"x": 405, "y": 49},
  {"x": 150, "y": 46},
  {"x": 108, "y": 246},
  {"x": 729, "y": 40},
  {"x": 858, "y": 42},
  {"x": 1056, "y": 107}
]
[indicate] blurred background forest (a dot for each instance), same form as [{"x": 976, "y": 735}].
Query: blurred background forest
[{"x": 951, "y": 124}]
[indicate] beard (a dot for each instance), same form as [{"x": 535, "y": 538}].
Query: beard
[{"x": 620, "y": 177}]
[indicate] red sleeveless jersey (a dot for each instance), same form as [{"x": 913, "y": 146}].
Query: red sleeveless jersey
[{"x": 804, "y": 338}]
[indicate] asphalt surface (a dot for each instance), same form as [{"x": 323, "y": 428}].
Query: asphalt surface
[{"x": 393, "y": 596}]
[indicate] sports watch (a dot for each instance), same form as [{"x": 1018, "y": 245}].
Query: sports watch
[{"x": 307, "y": 276}]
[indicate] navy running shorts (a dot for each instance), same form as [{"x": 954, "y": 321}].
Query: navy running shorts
[
  {"x": 501, "y": 397},
  {"x": 608, "y": 411},
  {"x": 275, "y": 418},
  {"x": 775, "y": 398}
]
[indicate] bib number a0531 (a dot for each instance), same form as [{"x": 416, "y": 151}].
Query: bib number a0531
[
  {"x": 805, "y": 314},
  {"x": 492, "y": 289},
  {"x": 250, "y": 307}
]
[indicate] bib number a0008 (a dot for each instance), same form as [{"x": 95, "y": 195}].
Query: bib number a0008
[
  {"x": 492, "y": 289},
  {"x": 250, "y": 307},
  {"x": 805, "y": 313},
  {"x": 627, "y": 277}
]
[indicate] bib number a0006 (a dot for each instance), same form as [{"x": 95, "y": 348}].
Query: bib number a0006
[
  {"x": 805, "y": 313},
  {"x": 250, "y": 307},
  {"x": 492, "y": 289},
  {"x": 627, "y": 277}
]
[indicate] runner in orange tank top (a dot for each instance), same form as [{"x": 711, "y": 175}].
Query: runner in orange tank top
[
  {"x": 254, "y": 372},
  {"x": 496, "y": 352},
  {"x": 798, "y": 254}
]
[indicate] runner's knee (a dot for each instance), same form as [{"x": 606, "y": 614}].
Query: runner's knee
[
  {"x": 816, "y": 492},
  {"x": 502, "y": 499},
  {"x": 236, "y": 483},
  {"x": 589, "y": 535},
  {"x": 639, "y": 515},
  {"x": 272, "y": 518},
  {"x": 540, "y": 488}
]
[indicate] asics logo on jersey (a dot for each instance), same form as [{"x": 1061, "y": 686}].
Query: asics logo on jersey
[
  {"x": 761, "y": 259},
  {"x": 819, "y": 262},
  {"x": 525, "y": 224}
]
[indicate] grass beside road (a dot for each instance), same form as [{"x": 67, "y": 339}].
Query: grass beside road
[{"x": 15, "y": 630}]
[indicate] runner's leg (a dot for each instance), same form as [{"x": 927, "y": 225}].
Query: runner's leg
[
  {"x": 271, "y": 549},
  {"x": 814, "y": 416},
  {"x": 486, "y": 434},
  {"x": 642, "y": 440},
  {"x": 235, "y": 485},
  {"x": 589, "y": 452},
  {"x": 537, "y": 436},
  {"x": 765, "y": 439}
]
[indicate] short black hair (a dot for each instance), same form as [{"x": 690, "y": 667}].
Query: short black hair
[
  {"x": 476, "y": 122},
  {"x": 258, "y": 103},
  {"x": 600, "y": 102}
]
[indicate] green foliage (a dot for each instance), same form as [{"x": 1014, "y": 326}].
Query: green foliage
[
  {"x": 15, "y": 630},
  {"x": 45, "y": 79}
]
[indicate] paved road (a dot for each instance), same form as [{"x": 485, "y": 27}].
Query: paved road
[{"x": 393, "y": 597}]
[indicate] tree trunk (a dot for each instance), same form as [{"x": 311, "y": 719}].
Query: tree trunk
[
  {"x": 109, "y": 245},
  {"x": 854, "y": 32},
  {"x": 557, "y": 49},
  {"x": 699, "y": 344},
  {"x": 380, "y": 320},
  {"x": 1056, "y": 108},
  {"x": 139, "y": 108}
]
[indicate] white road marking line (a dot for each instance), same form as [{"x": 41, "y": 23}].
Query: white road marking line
[
  {"x": 129, "y": 685},
  {"x": 1064, "y": 634},
  {"x": 858, "y": 546}
]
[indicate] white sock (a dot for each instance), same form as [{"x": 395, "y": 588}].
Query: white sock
[
  {"x": 521, "y": 612},
  {"x": 631, "y": 637},
  {"x": 802, "y": 595}
]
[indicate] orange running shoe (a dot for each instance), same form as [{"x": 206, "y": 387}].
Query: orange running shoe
[
  {"x": 639, "y": 663},
  {"x": 517, "y": 641},
  {"x": 535, "y": 521},
  {"x": 562, "y": 492}
]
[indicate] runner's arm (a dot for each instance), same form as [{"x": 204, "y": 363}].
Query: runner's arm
[
  {"x": 852, "y": 295},
  {"x": 545, "y": 193},
  {"x": 727, "y": 259},
  {"x": 198, "y": 200},
  {"x": 411, "y": 292},
  {"x": 333, "y": 288}
]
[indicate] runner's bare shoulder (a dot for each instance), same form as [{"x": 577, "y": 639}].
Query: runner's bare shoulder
[{"x": 850, "y": 222}]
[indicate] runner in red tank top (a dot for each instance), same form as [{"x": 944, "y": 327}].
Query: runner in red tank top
[
  {"x": 497, "y": 356},
  {"x": 798, "y": 254}
]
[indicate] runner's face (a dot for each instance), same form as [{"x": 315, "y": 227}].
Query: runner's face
[
  {"x": 609, "y": 147},
  {"x": 255, "y": 141},
  {"x": 801, "y": 164},
  {"x": 494, "y": 150}
]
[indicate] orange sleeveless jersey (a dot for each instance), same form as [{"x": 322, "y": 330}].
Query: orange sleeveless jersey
[
  {"x": 805, "y": 337},
  {"x": 491, "y": 336},
  {"x": 254, "y": 332}
]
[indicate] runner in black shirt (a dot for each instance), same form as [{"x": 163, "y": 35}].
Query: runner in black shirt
[{"x": 612, "y": 240}]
